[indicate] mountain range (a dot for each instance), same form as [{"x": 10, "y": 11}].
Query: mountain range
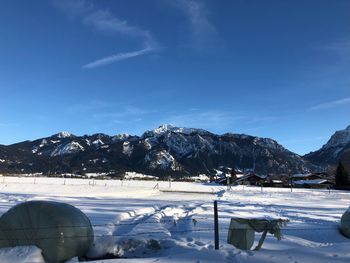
[
  {"x": 336, "y": 149},
  {"x": 165, "y": 151}
]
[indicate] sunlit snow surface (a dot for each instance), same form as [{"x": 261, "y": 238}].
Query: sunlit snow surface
[{"x": 127, "y": 214}]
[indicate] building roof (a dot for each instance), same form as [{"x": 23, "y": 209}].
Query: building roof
[
  {"x": 301, "y": 175},
  {"x": 312, "y": 182}
]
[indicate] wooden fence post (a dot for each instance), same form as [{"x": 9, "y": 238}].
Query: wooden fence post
[{"x": 216, "y": 225}]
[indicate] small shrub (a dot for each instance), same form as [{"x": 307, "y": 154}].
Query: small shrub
[{"x": 153, "y": 245}]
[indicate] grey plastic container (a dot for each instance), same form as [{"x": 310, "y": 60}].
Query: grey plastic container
[
  {"x": 60, "y": 230},
  {"x": 240, "y": 235}
]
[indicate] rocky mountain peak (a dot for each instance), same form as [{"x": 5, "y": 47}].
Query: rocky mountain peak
[
  {"x": 339, "y": 138},
  {"x": 333, "y": 150},
  {"x": 64, "y": 134},
  {"x": 168, "y": 128}
]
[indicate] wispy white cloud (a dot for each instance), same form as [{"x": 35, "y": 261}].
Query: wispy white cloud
[
  {"x": 339, "y": 47},
  {"x": 204, "y": 34},
  {"x": 103, "y": 21},
  {"x": 331, "y": 104},
  {"x": 116, "y": 58}
]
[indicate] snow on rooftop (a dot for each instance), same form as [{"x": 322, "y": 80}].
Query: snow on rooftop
[
  {"x": 301, "y": 175},
  {"x": 277, "y": 181},
  {"x": 240, "y": 175},
  {"x": 311, "y": 182}
]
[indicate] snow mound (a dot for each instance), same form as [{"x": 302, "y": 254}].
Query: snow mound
[{"x": 23, "y": 254}]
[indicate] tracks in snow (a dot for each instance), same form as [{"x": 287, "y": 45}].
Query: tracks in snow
[{"x": 160, "y": 222}]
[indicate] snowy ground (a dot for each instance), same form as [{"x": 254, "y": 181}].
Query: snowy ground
[{"x": 127, "y": 215}]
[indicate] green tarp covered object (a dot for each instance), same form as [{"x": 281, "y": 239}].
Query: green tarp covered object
[
  {"x": 60, "y": 230},
  {"x": 345, "y": 223}
]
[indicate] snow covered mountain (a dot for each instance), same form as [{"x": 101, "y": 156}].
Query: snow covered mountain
[
  {"x": 334, "y": 150},
  {"x": 162, "y": 151}
]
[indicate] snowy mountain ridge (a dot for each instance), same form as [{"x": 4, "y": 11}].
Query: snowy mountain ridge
[
  {"x": 64, "y": 134},
  {"x": 167, "y": 128},
  {"x": 339, "y": 139},
  {"x": 333, "y": 150},
  {"x": 165, "y": 150}
]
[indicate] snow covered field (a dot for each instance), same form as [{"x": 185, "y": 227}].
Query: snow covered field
[{"x": 141, "y": 223}]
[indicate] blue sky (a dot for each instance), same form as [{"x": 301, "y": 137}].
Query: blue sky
[{"x": 272, "y": 68}]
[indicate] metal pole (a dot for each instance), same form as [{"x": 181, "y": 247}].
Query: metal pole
[{"x": 216, "y": 225}]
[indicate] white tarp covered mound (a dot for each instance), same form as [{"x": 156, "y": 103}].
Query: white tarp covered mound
[{"x": 60, "y": 230}]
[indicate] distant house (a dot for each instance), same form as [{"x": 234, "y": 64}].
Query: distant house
[
  {"x": 313, "y": 183},
  {"x": 270, "y": 182},
  {"x": 255, "y": 179},
  {"x": 278, "y": 180},
  {"x": 311, "y": 180},
  {"x": 250, "y": 179},
  {"x": 226, "y": 175},
  {"x": 277, "y": 183},
  {"x": 305, "y": 177}
]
